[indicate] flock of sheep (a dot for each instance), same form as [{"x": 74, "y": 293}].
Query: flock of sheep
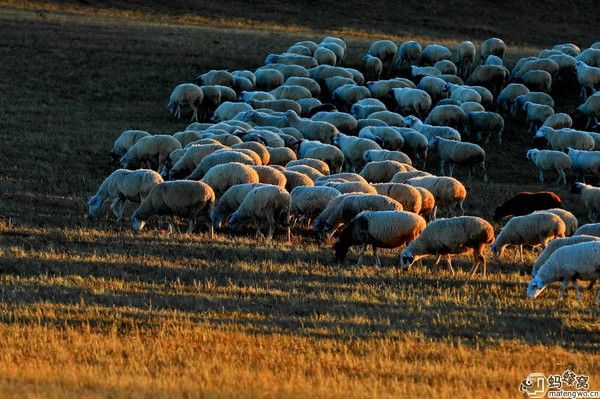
[{"x": 304, "y": 140}]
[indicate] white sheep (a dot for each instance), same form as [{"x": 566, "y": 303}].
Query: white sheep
[
  {"x": 344, "y": 122},
  {"x": 373, "y": 67},
  {"x": 559, "y": 243},
  {"x": 386, "y": 155},
  {"x": 323, "y": 72},
  {"x": 484, "y": 124},
  {"x": 317, "y": 164},
  {"x": 219, "y": 157},
  {"x": 471, "y": 106},
  {"x": 446, "y": 67},
  {"x": 589, "y": 110},
  {"x": 434, "y": 86},
  {"x": 345, "y": 96},
  {"x": 384, "y": 50},
  {"x": 331, "y": 155},
  {"x": 463, "y": 93},
  {"x": 536, "y": 114},
  {"x": 308, "y": 202},
  {"x": 150, "y": 152},
  {"x": 420, "y": 72},
  {"x": 386, "y": 136},
  {"x": 453, "y": 153},
  {"x": 590, "y": 196},
  {"x": 216, "y": 77},
  {"x": 434, "y": 53},
  {"x": 383, "y": 171},
  {"x": 291, "y": 59},
  {"x": 584, "y": 161},
  {"x": 412, "y": 101},
  {"x": 465, "y": 55},
  {"x": 347, "y": 176},
  {"x": 354, "y": 149},
  {"x": 182, "y": 198},
  {"x": 380, "y": 229},
  {"x": 312, "y": 130},
  {"x": 357, "y": 76},
  {"x": 415, "y": 144},
  {"x": 221, "y": 177},
  {"x": 258, "y": 148},
  {"x": 430, "y": 131},
  {"x": 270, "y": 204},
  {"x": 537, "y": 80},
  {"x": 590, "y": 229},
  {"x": 249, "y": 96},
  {"x": 268, "y": 79},
  {"x": 388, "y": 117},
  {"x": 291, "y": 92},
  {"x": 270, "y": 175},
  {"x": 588, "y": 77},
  {"x": 562, "y": 139},
  {"x": 191, "y": 158},
  {"x": 508, "y": 94},
  {"x": 546, "y": 160},
  {"x": 325, "y": 56},
  {"x": 492, "y": 77},
  {"x": 186, "y": 94},
  {"x": 295, "y": 179},
  {"x": 558, "y": 121},
  {"x": 281, "y": 155},
  {"x": 570, "y": 220},
  {"x": 453, "y": 236},
  {"x": 409, "y": 53},
  {"x": 448, "y": 192},
  {"x": 306, "y": 170},
  {"x": 537, "y": 64},
  {"x": 567, "y": 264},
  {"x": 227, "y": 110},
  {"x": 447, "y": 115},
  {"x": 537, "y": 228},
  {"x": 493, "y": 46},
  {"x": 408, "y": 196},
  {"x": 380, "y": 89},
  {"x": 125, "y": 140},
  {"x": 230, "y": 201},
  {"x": 308, "y": 83}
]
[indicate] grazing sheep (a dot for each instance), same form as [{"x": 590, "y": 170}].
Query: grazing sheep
[
  {"x": 493, "y": 60},
  {"x": 546, "y": 160},
  {"x": 590, "y": 229},
  {"x": 448, "y": 192},
  {"x": 267, "y": 79},
  {"x": 258, "y": 148},
  {"x": 412, "y": 101},
  {"x": 401, "y": 177},
  {"x": 241, "y": 84},
  {"x": 558, "y": 121},
  {"x": 559, "y": 243},
  {"x": 447, "y": 67},
  {"x": 447, "y": 115},
  {"x": 344, "y": 122},
  {"x": 279, "y": 105},
  {"x": 536, "y": 97},
  {"x": 150, "y": 152},
  {"x": 588, "y": 77},
  {"x": 436, "y": 88},
  {"x": 187, "y": 136},
  {"x": 219, "y": 157},
  {"x": 270, "y": 204},
  {"x": 121, "y": 186},
  {"x": 470, "y": 106},
  {"x": 186, "y": 94},
  {"x": 492, "y": 77},
  {"x": 183, "y": 198},
  {"x": 415, "y": 144},
  {"x": 125, "y": 140},
  {"x": 385, "y": 50},
  {"x": 458, "y": 153},
  {"x": 331, "y": 155},
  {"x": 345, "y": 96},
  {"x": 354, "y": 149},
  {"x": 383, "y": 171},
  {"x": 310, "y": 106},
  {"x": 291, "y": 59},
  {"x": 221, "y": 177},
  {"x": 317, "y": 164},
  {"x": 570, "y": 220},
  {"x": 562, "y": 139},
  {"x": 381, "y": 89},
  {"x": 362, "y": 123},
  {"x": 428, "y": 206},
  {"x": 536, "y": 114},
  {"x": 325, "y": 56},
  {"x": 465, "y": 55},
  {"x": 312, "y": 130},
  {"x": 216, "y": 77},
  {"x": 386, "y": 136},
  {"x": 508, "y": 95},
  {"x": 408, "y": 196},
  {"x": 463, "y": 93},
  {"x": 373, "y": 67},
  {"x": 230, "y": 201},
  {"x": 389, "y": 117},
  {"x": 537, "y": 228},
  {"x": 589, "y": 110},
  {"x": 249, "y": 96},
  {"x": 524, "y": 203},
  {"x": 281, "y": 155},
  {"x": 309, "y": 202},
  {"x": 190, "y": 160},
  {"x": 590, "y": 56},
  {"x": 346, "y": 187},
  {"x": 567, "y": 264},
  {"x": 429, "y": 131},
  {"x": 290, "y": 92},
  {"x": 347, "y": 176},
  {"x": 493, "y": 46},
  {"x": 296, "y": 179},
  {"x": 590, "y": 196},
  {"x": 337, "y": 49},
  {"x": 420, "y": 72},
  {"x": 270, "y": 175},
  {"x": 386, "y": 155},
  {"x": 434, "y": 53},
  {"x": 584, "y": 161},
  {"x": 484, "y": 124},
  {"x": 537, "y": 80},
  {"x": 448, "y": 237},
  {"x": 409, "y": 54},
  {"x": 171, "y": 160},
  {"x": 381, "y": 229},
  {"x": 538, "y": 64},
  {"x": 323, "y": 72},
  {"x": 307, "y": 170},
  {"x": 353, "y": 205}
]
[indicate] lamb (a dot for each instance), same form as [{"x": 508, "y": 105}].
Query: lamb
[
  {"x": 312, "y": 130},
  {"x": 190, "y": 160},
  {"x": 492, "y": 77},
  {"x": 462, "y": 153},
  {"x": 354, "y": 204},
  {"x": 268, "y": 78},
  {"x": 558, "y": 121},
  {"x": 221, "y": 177},
  {"x": 125, "y": 140},
  {"x": 309, "y": 202},
  {"x": 559, "y": 243},
  {"x": 384, "y": 50},
  {"x": 269, "y": 203},
  {"x": 383, "y": 229},
  {"x": 325, "y": 56},
  {"x": 121, "y": 186},
  {"x": 568, "y": 48},
  {"x": 186, "y": 94},
  {"x": 373, "y": 67},
  {"x": 409, "y": 54},
  {"x": 590, "y": 196},
  {"x": 317, "y": 164},
  {"x": 465, "y": 55},
  {"x": 537, "y": 228},
  {"x": 383, "y": 171},
  {"x": 584, "y": 161},
  {"x": 535, "y": 97},
  {"x": 546, "y": 160},
  {"x": 183, "y": 198},
  {"x": 346, "y": 187},
  {"x": 448, "y": 237},
  {"x": 434, "y": 53},
  {"x": 331, "y": 155},
  {"x": 219, "y": 157},
  {"x": 536, "y": 114},
  {"x": 525, "y": 202},
  {"x": 344, "y": 122},
  {"x": 386, "y": 155},
  {"x": 230, "y": 201},
  {"x": 408, "y": 196},
  {"x": 484, "y": 124},
  {"x": 299, "y": 49},
  {"x": 307, "y": 170},
  {"x": 258, "y": 148},
  {"x": 430, "y": 131},
  {"x": 448, "y": 192},
  {"x": 150, "y": 151},
  {"x": 388, "y": 137},
  {"x": 567, "y": 264},
  {"x": 354, "y": 148},
  {"x": 281, "y": 155},
  {"x": 588, "y": 77},
  {"x": 447, "y": 115},
  {"x": 412, "y": 101},
  {"x": 343, "y": 97},
  {"x": 562, "y": 139},
  {"x": 493, "y": 46}
]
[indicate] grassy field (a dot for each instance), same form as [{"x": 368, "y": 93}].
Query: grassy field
[{"x": 95, "y": 310}]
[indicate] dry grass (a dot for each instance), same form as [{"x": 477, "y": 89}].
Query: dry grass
[{"x": 97, "y": 311}]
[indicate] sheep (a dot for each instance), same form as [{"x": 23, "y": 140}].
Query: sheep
[
  {"x": 211, "y": 98},
  {"x": 219, "y": 157},
  {"x": 447, "y": 115},
  {"x": 281, "y": 155},
  {"x": 558, "y": 121},
  {"x": 249, "y": 96},
  {"x": 121, "y": 186},
  {"x": 590, "y": 56},
  {"x": 185, "y": 94},
  {"x": 588, "y": 77},
  {"x": 590, "y": 229},
  {"x": 291, "y": 59},
  {"x": 389, "y": 117},
  {"x": 462, "y": 153},
  {"x": 401, "y": 177},
  {"x": 264, "y": 136},
  {"x": 546, "y": 160},
  {"x": 346, "y": 187},
  {"x": 312, "y": 46},
  {"x": 492, "y": 77},
  {"x": 589, "y": 110},
  {"x": 187, "y": 136},
  {"x": 465, "y": 55},
  {"x": 449, "y": 101},
  {"x": 270, "y": 175},
  {"x": 436, "y": 88},
  {"x": 226, "y": 139},
  {"x": 381, "y": 89},
  {"x": 470, "y": 106},
  {"x": 309, "y": 202},
  {"x": 215, "y": 77},
  {"x": 230, "y": 201},
  {"x": 384, "y": 50},
  {"x": 408, "y": 196},
  {"x": 536, "y": 114},
  {"x": 357, "y": 76},
  {"x": 354, "y": 148},
  {"x": 338, "y": 50},
  {"x": 310, "y": 106},
  {"x": 590, "y": 196},
  {"x": 312, "y": 130},
  {"x": 493, "y": 60},
  {"x": 415, "y": 144},
  {"x": 373, "y": 67},
  {"x": 245, "y": 74},
  {"x": 307, "y": 170},
  {"x": 362, "y": 123},
  {"x": 412, "y": 101},
  {"x": 567, "y": 264},
  {"x": 300, "y": 50},
  {"x": 257, "y": 147},
  {"x": 534, "y": 97},
  {"x": 347, "y": 176},
  {"x": 353, "y": 205},
  {"x": 381, "y": 229},
  {"x": 537, "y": 228},
  {"x": 343, "y": 97},
  {"x": 125, "y": 140},
  {"x": 316, "y": 164},
  {"x": 268, "y": 78},
  {"x": 291, "y": 92},
  {"x": 537, "y": 80},
  {"x": 344, "y": 122},
  {"x": 539, "y": 64},
  {"x": 420, "y": 72},
  {"x": 430, "y": 131},
  {"x": 190, "y": 160},
  {"x": 483, "y": 124},
  {"x": 584, "y": 161},
  {"x": 508, "y": 94},
  {"x": 386, "y": 155},
  {"x": 269, "y": 203},
  {"x": 434, "y": 53},
  {"x": 331, "y": 155},
  {"x": 295, "y": 179},
  {"x": 525, "y": 202},
  {"x": 241, "y": 84},
  {"x": 323, "y": 72},
  {"x": 409, "y": 54},
  {"x": 562, "y": 139},
  {"x": 279, "y": 105},
  {"x": 559, "y": 243},
  {"x": 183, "y": 198},
  {"x": 568, "y": 48},
  {"x": 149, "y": 151},
  {"x": 448, "y": 192},
  {"x": 493, "y": 46},
  {"x": 171, "y": 160},
  {"x": 360, "y": 111},
  {"x": 567, "y": 217},
  {"x": 447, "y": 67},
  {"x": 221, "y": 177},
  {"x": 383, "y": 171},
  {"x": 451, "y": 79},
  {"x": 428, "y": 206},
  {"x": 308, "y": 83},
  {"x": 449, "y": 237},
  {"x": 386, "y": 136},
  {"x": 325, "y": 56},
  {"x": 335, "y": 82},
  {"x": 463, "y": 93}
]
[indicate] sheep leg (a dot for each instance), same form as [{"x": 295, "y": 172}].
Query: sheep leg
[
  {"x": 114, "y": 207},
  {"x": 591, "y": 284},
  {"x": 563, "y": 288},
  {"x": 542, "y": 176},
  {"x": 190, "y": 229},
  {"x": 442, "y": 167},
  {"x": 377, "y": 260},
  {"x": 460, "y": 206},
  {"x": 194, "y": 115},
  {"x": 475, "y": 266},
  {"x": 449, "y": 261},
  {"x": 521, "y": 252},
  {"x": 363, "y": 248},
  {"x": 437, "y": 259},
  {"x": 211, "y": 230},
  {"x": 485, "y": 176},
  {"x": 289, "y": 234},
  {"x": 577, "y": 290},
  {"x": 178, "y": 112}
]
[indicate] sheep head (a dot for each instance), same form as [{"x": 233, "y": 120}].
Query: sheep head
[
  {"x": 535, "y": 287},
  {"x": 406, "y": 260},
  {"x": 137, "y": 224},
  {"x": 94, "y": 206}
]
